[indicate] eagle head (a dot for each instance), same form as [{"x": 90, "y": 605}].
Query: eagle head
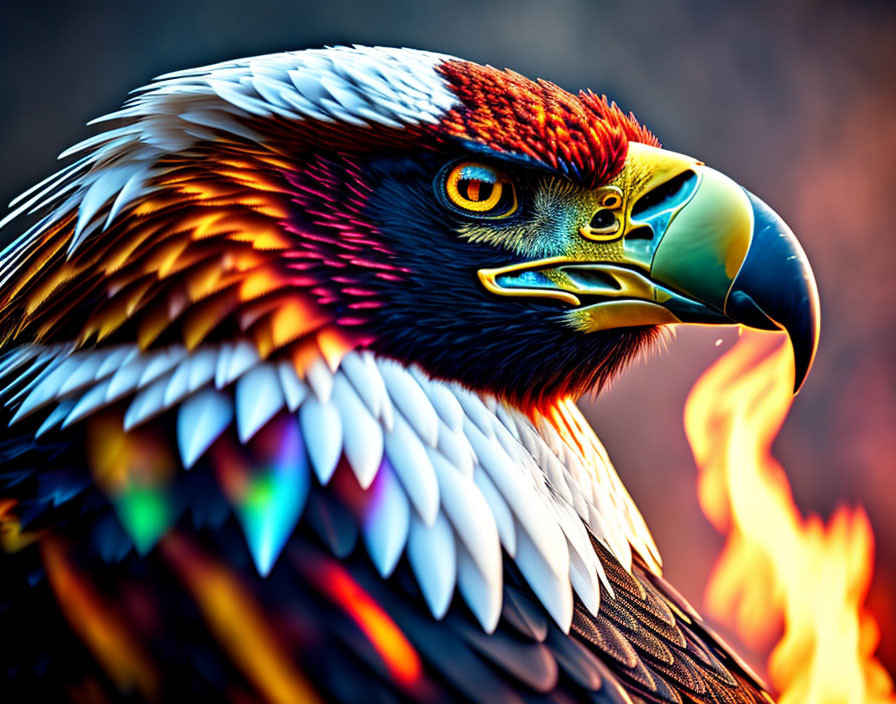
[
  {"x": 355, "y": 291},
  {"x": 494, "y": 230}
]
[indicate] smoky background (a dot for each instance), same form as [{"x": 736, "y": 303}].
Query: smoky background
[{"x": 794, "y": 100}]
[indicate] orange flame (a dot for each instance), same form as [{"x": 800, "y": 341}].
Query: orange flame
[{"x": 779, "y": 570}]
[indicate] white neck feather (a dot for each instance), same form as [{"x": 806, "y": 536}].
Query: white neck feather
[{"x": 459, "y": 475}]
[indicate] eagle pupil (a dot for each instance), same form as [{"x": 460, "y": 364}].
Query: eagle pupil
[{"x": 476, "y": 190}]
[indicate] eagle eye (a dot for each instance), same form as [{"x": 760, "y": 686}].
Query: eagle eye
[{"x": 481, "y": 190}]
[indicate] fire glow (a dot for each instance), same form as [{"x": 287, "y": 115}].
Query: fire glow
[{"x": 780, "y": 573}]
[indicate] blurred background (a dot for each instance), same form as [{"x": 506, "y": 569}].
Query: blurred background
[{"x": 794, "y": 100}]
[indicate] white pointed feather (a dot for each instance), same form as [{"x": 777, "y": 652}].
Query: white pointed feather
[
  {"x": 178, "y": 382},
  {"x": 386, "y": 413},
  {"x": 20, "y": 385},
  {"x": 129, "y": 192},
  {"x": 474, "y": 409},
  {"x": 241, "y": 358},
  {"x": 149, "y": 402},
  {"x": 305, "y": 107},
  {"x": 202, "y": 367},
  {"x": 582, "y": 558},
  {"x": 484, "y": 598},
  {"x": 456, "y": 448},
  {"x": 499, "y": 510},
  {"x": 46, "y": 390},
  {"x": 17, "y": 357},
  {"x": 115, "y": 359},
  {"x": 308, "y": 85},
  {"x": 200, "y": 420},
  {"x": 322, "y": 430},
  {"x": 96, "y": 141},
  {"x": 39, "y": 190},
  {"x": 91, "y": 401},
  {"x": 529, "y": 439},
  {"x": 386, "y": 521},
  {"x": 258, "y": 399},
  {"x": 548, "y": 433},
  {"x": 504, "y": 414},
  {"x": 127, "y": 378},
  {"x": 271, "y": 90},
  {"x": 509, "y": 444},
  {"x": 553, "y": 590},
  {"x": 615, "y": 532},
  {"x": 410, "y": 460},
  {"x": 159, "y": 363},
  {"x": 101, "y": 191},
  {"x": 471, "y": 517},
  {"x": 411, "y": 401},
  {"x": 363, "y": 441},
  {"x": 361, "y": 371},
  {"x": 528, "y": 507},
  {"x": 344, "y": 94},
  {"x": 222, "y": 366},
  {"x": 320, "y": 379},
  {"x": 336, "y": 111},
  {"x": 232, "y": 94},
  {"x": 443, "y": 401},
  {"x": 555, "y": 473},
  {"x": 433, "y": 559},
  {"x": 84, "y": 374},
  {"x": 57, "y": 415},
  {"x": 294, "y": 389}
]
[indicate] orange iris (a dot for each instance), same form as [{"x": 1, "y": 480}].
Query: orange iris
[{"x": 481, "y": 189}]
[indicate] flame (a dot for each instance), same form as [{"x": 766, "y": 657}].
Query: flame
[{"x": 780, "y": 573}]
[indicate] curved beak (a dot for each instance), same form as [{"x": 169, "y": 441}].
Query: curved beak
[
  {"x": 731, "y": 252},
  {"x": 691, "y": 246}
]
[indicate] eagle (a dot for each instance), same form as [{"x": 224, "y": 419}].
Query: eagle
[{"x": 291, "y": 349}]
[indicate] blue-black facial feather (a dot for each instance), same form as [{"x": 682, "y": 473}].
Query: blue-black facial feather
[{"x": 442, "y": 318}]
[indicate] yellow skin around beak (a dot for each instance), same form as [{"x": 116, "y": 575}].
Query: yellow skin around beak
[
  {"x": 619, "y": 267},
  {"x": 669, "y": 242}
]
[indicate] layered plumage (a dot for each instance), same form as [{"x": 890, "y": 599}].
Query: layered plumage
[{"x": 271, "y": 438}]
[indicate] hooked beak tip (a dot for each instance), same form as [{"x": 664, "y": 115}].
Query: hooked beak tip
[{"x": 775, "y": 288}]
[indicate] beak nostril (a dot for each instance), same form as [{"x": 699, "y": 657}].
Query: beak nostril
[
  {"x": 642, "y": 232},
  {"x": 666, "y": 196}
]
